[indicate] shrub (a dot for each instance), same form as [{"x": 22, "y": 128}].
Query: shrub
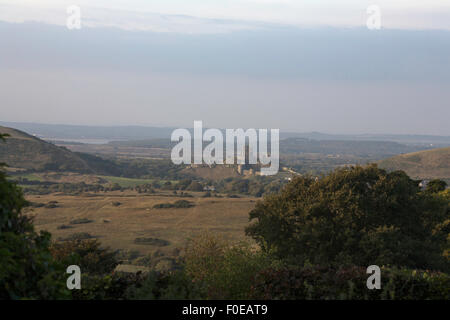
[
  {"x": 435, "y": 186},
  {"x": 77, "y": 236},
  {"x": 36, "y": 204},
  {"x": 173, "y": 285},
  {"x": 64, "y": 226},
  {"x": 52, "y": 204},
  {"x": 81, "y": 221},
  {"x": 222, "y": 270},
  {"x": 314, "y": 283},
  {"x": 87, "y": 254},
  {"x": 107, "y": 287},
  {"x": 176, "y": 204}
]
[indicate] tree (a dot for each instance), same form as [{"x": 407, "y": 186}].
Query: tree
[
  {"x": 87, "y": 254},
  {"x": 357, "y": 215},
  {"x": 436, "y": 185},
  {"x": 27, "y": 269}
]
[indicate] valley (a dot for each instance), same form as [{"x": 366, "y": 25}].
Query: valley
[{"x": 134, "y": 200}]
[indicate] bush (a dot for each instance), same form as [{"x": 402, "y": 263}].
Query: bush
[
  {"x": 77, "y": 236},
  {"x": 222, "y": 270},
  {"x": 313, "y": 283},
  {"x": 107, "y": 287},
  {"x": 81, "y": 221},
  {"x": 176, "y": 204},
  {"x": 87, "y": 254},
  {"x": 52, "y": 204},
  {"x": 173, "y": 285},
  {"x": 64, "y": 226},
  {"x": 435, "y": 186}
]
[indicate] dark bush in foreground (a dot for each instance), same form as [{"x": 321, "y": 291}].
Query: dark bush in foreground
[
  {"x": 27, "y": 270},
  {"x": 165, "y": 286},
  {"x": 87, "y": 254},
  {"x": 315, "y": 283},
  {"x": 436, "y": 185},
  {"x": 107, "y": 287},
  {"x": 223, "y": 270},
  {"x": 137, "y": 286}
]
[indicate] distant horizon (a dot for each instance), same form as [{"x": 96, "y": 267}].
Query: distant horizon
[{"x": 5, "y": 124}]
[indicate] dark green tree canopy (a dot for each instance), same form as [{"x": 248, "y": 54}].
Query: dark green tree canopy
[
  {"x": 27, "y": 269},
  {"x": 436, "y": 185},
  {"x": 357, "y": 215}
]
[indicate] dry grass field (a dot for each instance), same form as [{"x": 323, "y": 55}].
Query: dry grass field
[
  {"x": 117, "y": 219},
  {"x": 429, "y": 164}
]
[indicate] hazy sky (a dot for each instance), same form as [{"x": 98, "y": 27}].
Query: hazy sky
[
  {"x": 295, "y": 65},
  {"x": 143, "y": 14}
]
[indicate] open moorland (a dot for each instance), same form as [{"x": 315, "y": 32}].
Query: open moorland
[{"x": 130, "y": 223}]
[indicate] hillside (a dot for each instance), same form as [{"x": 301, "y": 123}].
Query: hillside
[
  {"x": 373, "y": 149},
  {"x": 24, "y": 151},
  {"x": 422, "y": 165},
  {"x": 215, "y": 173}
]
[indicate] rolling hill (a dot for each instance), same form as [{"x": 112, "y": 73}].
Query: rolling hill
[
  {"x": 24, "y": 151},
  {"x": 427, "y": 164}
]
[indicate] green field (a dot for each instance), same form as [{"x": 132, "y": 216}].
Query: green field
[
  {"x": 132, "y": 182},
  {"x": 126, "y": 182},
  {"x": 30, "y": 177}
]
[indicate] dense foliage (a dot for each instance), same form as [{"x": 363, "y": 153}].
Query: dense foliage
[
  {"x": 318, "y": 283},
  {"x": 27, "y": 269},
  {"x": 436, "y": 185},
  {"x": 87, "y": 254},
  {"x": 355, "y": 216},
  {"x": 222, "y": 270}
]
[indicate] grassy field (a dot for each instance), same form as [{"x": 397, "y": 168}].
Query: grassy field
[
  {"x": 126, "y": 182},
  {"x": 118, "y": 219},
  {"x": 67, "y": 177},
  {"x": 31, "y": 176}
]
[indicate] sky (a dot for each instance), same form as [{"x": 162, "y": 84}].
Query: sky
[
  {"x": 143, "y": 14},
  {"x": 295, "y": 65}
]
